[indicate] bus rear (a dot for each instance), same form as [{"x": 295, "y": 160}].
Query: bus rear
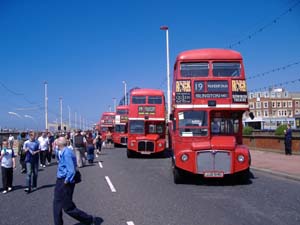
[
  {"x": 107, "y": 123},
  {"x": 121, "y": 123},
  {"x": 146, "y": 122},
  {"x": 209, "y": 98}
]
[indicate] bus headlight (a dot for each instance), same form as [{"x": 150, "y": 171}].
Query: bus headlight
[
  {"x": 184, "y": 157},
  {"x": 241, "y": 158},
  {"x": 131, "y": 144},
  {"x": 160, "y": 145}
]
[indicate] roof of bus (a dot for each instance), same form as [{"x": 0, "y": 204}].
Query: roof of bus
[
  {"x": 122, "y": 107},
  {"x": 147, "y": 92},
  {"x": 209, "y": 53},
  {"x": 108, "y": 114}
]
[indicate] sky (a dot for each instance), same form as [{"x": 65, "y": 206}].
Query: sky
[{"x": 85, "y": 49}]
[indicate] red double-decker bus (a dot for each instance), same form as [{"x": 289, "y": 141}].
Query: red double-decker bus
[
  {"x": 121, "y": 122},
  {"x": 209, "y": 98},
  {"x": 107, "y": 123},
  {"x": 146, "y": 122}
]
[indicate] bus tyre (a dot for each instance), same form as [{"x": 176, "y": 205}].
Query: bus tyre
[
  {"x": 177, "y": 175},
  {"x": 243, "y": 177},
  {"x": 129, "y": 154}
]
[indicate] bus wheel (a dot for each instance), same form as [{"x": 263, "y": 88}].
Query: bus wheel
[
  {"x": 243, "y": 177},
  {"x": 129, "y": 154},
  {"x": 178, "y": 176}
]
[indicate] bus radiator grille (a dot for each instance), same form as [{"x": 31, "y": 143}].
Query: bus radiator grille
[
  {"x": 123, "y": 140},
  {"x": 146, "y": 146},
  {"x": 216, "y": 160}
]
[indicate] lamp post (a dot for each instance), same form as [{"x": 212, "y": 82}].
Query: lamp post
[
  {"x": 125, "y": 92},
  {"x": 46, "y": 104},
  {"x": 115, "y": 104},
  {"x": 168, "y": 69},
  {"x": 61, "y": 120},
  {"x": 69, "y": 108},
  {"x": 75, "y": 120}
]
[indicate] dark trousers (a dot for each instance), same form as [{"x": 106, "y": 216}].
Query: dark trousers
[
  {"x": 32, "y": 169},
  {"x": 288, "y": 147},
  {"x": 49, "y": 155},
  {"x": 63, "y": 200},
  {"x": 22, "y": 161},
  {"x": 7, "y": 177},
  {"x": 43, "y": 155}
]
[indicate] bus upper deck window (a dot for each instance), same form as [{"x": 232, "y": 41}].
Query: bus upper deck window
[
  {"x": 195, "y": 69},
  {"x": 154, "y": 100},
  {"x": 139, "y": 100},
  {"x": 226, "y": 69}
]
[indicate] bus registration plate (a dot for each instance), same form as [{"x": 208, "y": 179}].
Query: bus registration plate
[{"x": 212, "y": 174}]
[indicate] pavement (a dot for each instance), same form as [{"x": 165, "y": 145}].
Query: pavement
[{"x": 276, "y": 163}]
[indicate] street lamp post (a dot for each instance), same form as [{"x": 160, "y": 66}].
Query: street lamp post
[
  {"x": 69, "y": 108},
  {"x": 115, "y": 103},
  {"x": 168, "y": 69},
  {"x": 46, "y": 105},
  {"x": 75, "y": 125},
  {"x": 61, "y": 120},
  {"x": 125, "y": 92}
]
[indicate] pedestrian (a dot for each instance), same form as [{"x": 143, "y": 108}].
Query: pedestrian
[
  {"x": 21, "y": 152},
  {"x": 44, "y": 148},
  {"x": 90, "y": 147},
  {"x": 50, "y": 153},
  {"x": 64, "y": 187},
  {"x": 98, "y": 143},
  {"x": 109, "y": 140},
  {"x": 11, "y": 141},
  {"x": 288, "y": 140},
  {"x": 8, "y": 163},
  {"x": 79, "y": 144},
  {"x": 31, "y": 148}
]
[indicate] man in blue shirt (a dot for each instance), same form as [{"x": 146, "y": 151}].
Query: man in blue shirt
[
  {"x": 31, "y": 149},
  {"x": 64, "y": 188}
]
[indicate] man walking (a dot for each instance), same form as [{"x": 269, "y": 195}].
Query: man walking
[
  {"x": 79, "y": 144},
  {"x": 64, "y": 188},
  {"x": 11, "y": 141},
  {"x": 31, "y": 148},
  {"x": 288, "y": 140},
  {"x": 44, "y": 148}
]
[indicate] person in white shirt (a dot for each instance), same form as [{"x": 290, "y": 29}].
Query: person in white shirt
[
  {"x": 44, "y": 148},
  {"x": 11, "y": 140},
  {"x": 8, "y": 163}
]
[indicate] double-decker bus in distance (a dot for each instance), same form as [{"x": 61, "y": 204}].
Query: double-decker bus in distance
[
  {"x": 121, "y": 122},
  {"x": 146, "y": 122},
  {"x": 107, "y": 123},
  {"x": 209, "y": 97}
]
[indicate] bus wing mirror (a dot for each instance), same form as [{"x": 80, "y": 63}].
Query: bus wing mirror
[
  {"x": 251, "y": 115},
  {"x": 171, "y": 117}
]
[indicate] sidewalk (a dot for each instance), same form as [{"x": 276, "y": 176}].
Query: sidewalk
[{"x": 279, "y": 164}]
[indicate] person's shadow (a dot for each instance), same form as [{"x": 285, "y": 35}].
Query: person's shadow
[{"x": 98, "y": 221}]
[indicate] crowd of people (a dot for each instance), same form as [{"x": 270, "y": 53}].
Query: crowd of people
[
  {"x": 36, "y": 150},
  {"x": 70, "y": 150}
]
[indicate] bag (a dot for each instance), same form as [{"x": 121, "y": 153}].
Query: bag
[
  {"x": 77, "y": 177},
  {"x": 78, "y": 141}
]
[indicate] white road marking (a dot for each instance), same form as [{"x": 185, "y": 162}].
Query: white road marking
[
  {"x": 130, "y": 223},
  {"x": 112, "y": 188},
  {"x": 100, "y": 165}
]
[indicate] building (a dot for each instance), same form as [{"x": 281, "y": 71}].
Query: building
[{"x": 273, "y": 108}]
